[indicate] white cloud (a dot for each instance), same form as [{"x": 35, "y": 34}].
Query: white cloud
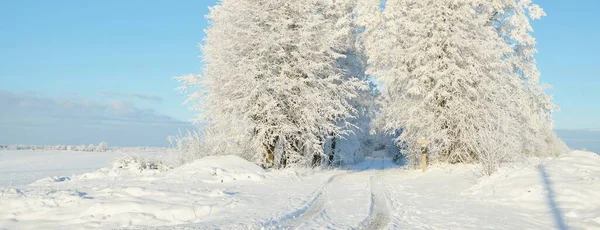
[
  {"x": 28, "y": 118},
  {"x": 131, "y": 96}
]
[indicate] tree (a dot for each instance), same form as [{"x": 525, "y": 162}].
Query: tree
[
  {"x": 274, "y": 85},
  {"x": 511, "y": 19},
  {"x": 102, "y": 147},
  {"x": 445, "y": 77}
]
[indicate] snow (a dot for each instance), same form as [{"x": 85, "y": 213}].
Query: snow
[
  {"x": 564, "y": 190},
  {"x": 228, "y": 192},
  {"x": 18, "y": 168}
]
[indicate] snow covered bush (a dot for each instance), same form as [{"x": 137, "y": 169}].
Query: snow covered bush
[
  {"x": 138, "y": 164},
  {"x": 185, "y": 148}
]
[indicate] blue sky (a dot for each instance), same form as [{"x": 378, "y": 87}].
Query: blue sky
[
  {"x": 569, "y": 59},
  {"x": 116, "y": 59}
]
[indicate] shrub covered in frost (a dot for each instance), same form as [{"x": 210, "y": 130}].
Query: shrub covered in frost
[
  {"x": 138, "y": 164},
  {"x": 185, "y": 148}
]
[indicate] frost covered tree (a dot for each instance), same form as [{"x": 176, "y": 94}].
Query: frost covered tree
[
  {"x": 90, "y": 148},
  {"x": 512, "y": 21},
  {"x": 102, "y": 147},
  {"x": 352, "y": 146},
  {"x": 450, "y": 76},
  {"x": 275, "y": 84}
]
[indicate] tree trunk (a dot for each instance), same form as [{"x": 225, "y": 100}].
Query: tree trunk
[
  {"x": 317, "y": 159},
  {"x": 332, "y": 153},
  {"x": 269, "y": 160},
  {"x": 269, "y": 155}
]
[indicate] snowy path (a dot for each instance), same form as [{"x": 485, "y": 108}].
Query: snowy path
[
  {"x": 380, "y": 215},
  {"x": 356, "y": 199}
]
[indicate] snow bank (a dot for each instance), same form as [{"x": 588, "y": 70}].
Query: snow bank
[
  {"x": 130, "y": 193},
  {"x": 565, "y": 189},
  {"x": 221, "y": 169},
  {"x": 208, "y": 190}
]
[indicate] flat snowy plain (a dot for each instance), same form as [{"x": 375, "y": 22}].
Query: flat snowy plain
[{"x": 75, "y": 190}]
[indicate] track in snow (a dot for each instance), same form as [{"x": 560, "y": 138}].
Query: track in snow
[
  {"x": 315, "y": 207},
  {"x": 315, "y": 210},
  {"x": 379, "y": 216}
]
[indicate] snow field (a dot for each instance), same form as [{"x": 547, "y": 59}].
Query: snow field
[
  {"x": 18, "y": 168},
  {"x": 227, "y": 192},
  {"x": 212, "y": 190}
]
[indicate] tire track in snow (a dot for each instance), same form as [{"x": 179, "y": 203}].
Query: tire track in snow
[
  {"x": 380, "y": 215},
  {"x": 315, "y": 207}
]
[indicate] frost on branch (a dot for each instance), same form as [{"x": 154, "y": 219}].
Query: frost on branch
[
  {"x": 462, "y": 74},
  {"x": 287, "y": 83},
  {"x": 275, "y": 85}
]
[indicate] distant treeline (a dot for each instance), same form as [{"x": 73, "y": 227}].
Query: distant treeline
[{"x": 101, "y": 147}]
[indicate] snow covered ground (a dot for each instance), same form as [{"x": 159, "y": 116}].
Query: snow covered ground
[
  {"x": 18, "y": 168},
  {"x": 227, "y": 192}
]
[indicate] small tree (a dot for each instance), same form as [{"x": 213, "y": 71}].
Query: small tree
[{"x": 102, "y": 147}]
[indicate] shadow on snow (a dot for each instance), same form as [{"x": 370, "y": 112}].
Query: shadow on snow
[{"x": 559, "y": 221}]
